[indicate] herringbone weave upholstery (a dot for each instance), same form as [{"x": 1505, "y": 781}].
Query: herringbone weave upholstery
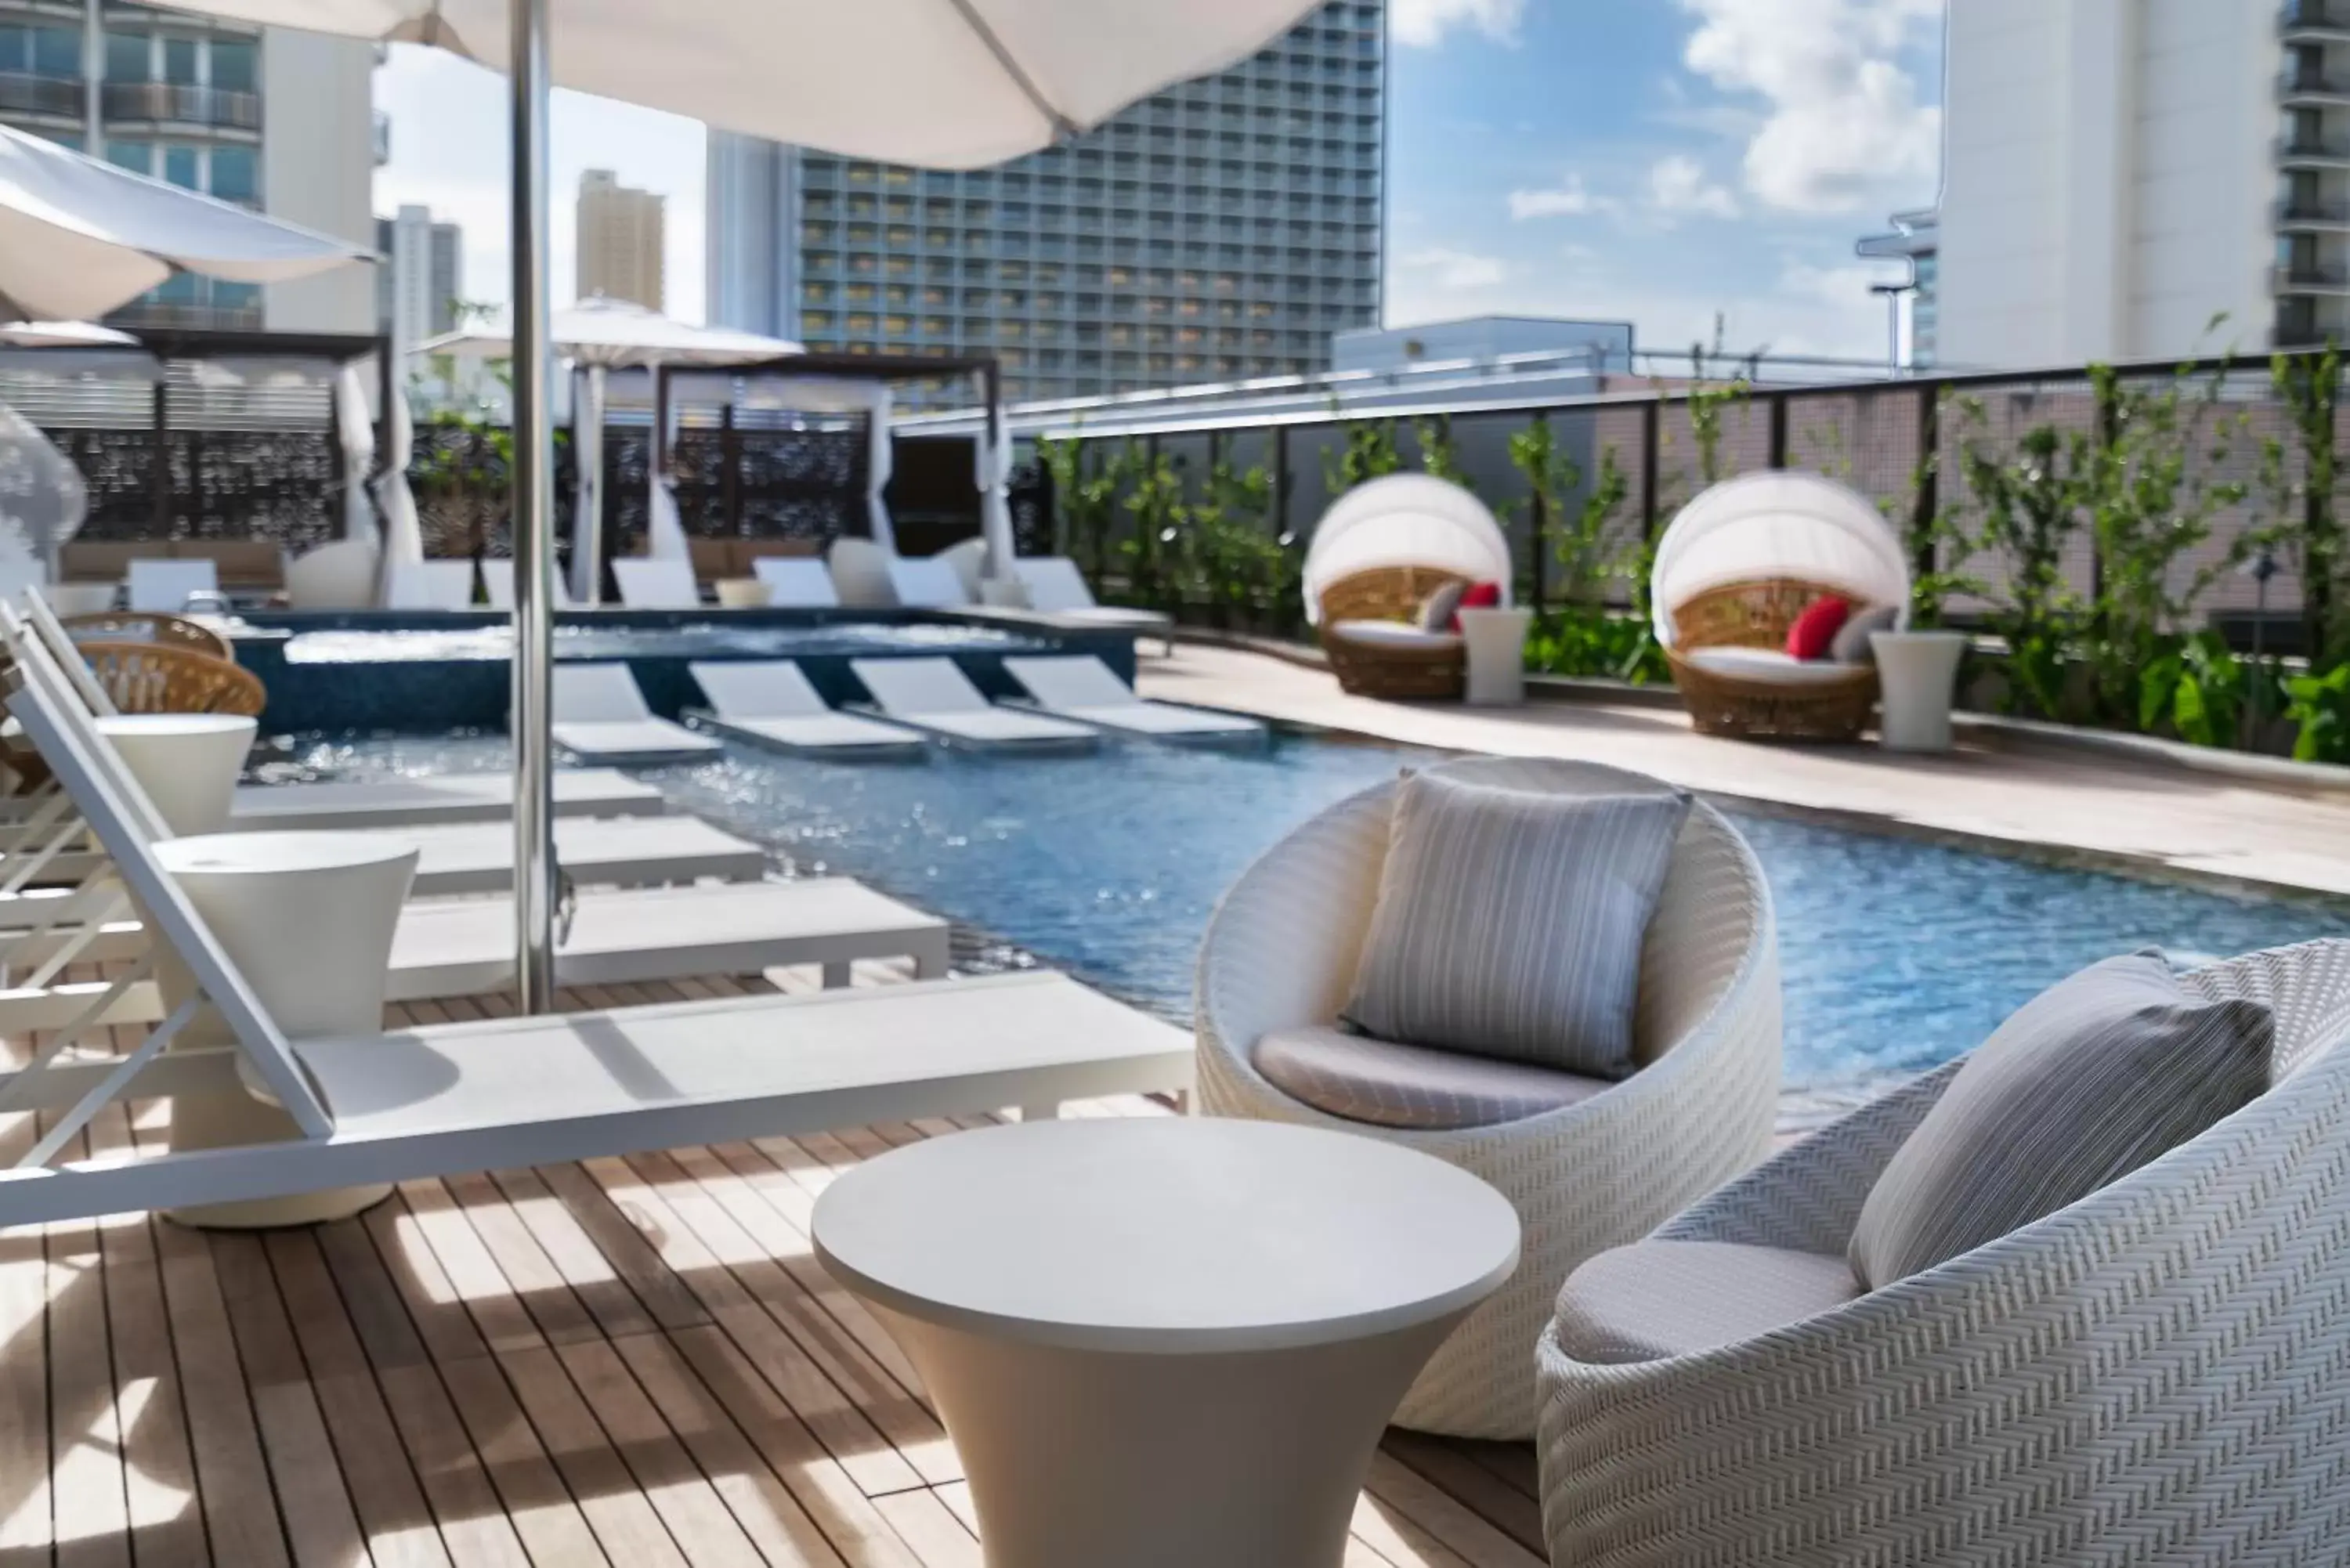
[
  {"x": 2158, "y": 1374},
  {"x": 1281, "y": 952}
]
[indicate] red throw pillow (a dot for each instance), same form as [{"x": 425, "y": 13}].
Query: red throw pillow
[
  {"x": 1479, "y": 596},
  {"x": 1812, "y": 632}
]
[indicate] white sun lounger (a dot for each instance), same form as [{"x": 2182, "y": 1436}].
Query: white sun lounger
[
  {"x": 647, "y": 583},
  {"x": 165, "y": 587},
  {"x": 796, "y": 582},
  {"x": 497, "y": 581},
  {"x": 442, "y": 584},
  {"x": 927, "y": 582},
  {"x": 934, "y": 696},
  {"x": 1055, "y": 586},
  {"x": 1082, "y": 688},
  {"x": 438, "y": 801},
  {"x": 534, "y": 1090},
  {"x": 771, "y": 702},
  {"x": 600, "y": 717}
]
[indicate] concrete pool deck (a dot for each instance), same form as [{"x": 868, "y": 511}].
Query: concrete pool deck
[{"x": 2137, "y": 818}]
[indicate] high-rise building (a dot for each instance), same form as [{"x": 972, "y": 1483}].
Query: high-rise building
[
  {"x": 1916, "y": 238},
  {"x": 2116, "y": 173},
  {"x": 620, "y": 240},
  {"x": 1223, "y": 228},
  {"x": 268, "y": 117},
  {"x": 420, "y": 280}
]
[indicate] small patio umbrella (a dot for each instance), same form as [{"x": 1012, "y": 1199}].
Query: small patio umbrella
[
  {"x": 953, "y": 83},
  {"x": 78, "y": 237},
  {"x": 599, "y": 334}
]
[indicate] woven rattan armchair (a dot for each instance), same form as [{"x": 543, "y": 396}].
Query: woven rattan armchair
[
  {"x": 2158, "y": 1372},
  {"x": 159, "y": 678},
  {"x": 1818, "y": 702},
  {"x": 1282, "y": 952},
  {"x": 1426, "y": 665},
  {"x": 149, "y": 626}
]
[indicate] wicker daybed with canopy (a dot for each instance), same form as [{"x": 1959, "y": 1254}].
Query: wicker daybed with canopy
[
  {"x": 1377, "y": 554},
  {"x": 1732, "y": 573}
]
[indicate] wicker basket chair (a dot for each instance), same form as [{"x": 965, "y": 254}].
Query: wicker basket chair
[
  {"x": 2153, "y": 1373},
  {"x": 149, "y": 626},
  {"x": 1282, "y": 952},
  {"x": 1377, "y": 554},
  {"x": 1736, "y": 568},
  {"x": 159, "y": 678}
]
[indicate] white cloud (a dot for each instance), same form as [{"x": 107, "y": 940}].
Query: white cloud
[
  {"x": 1837, "y": 285},
  {"x": 1569, "y": 199},
  {"x": 1678, "y": 185},
  {"x": 1422, "y": 24},
  {"x": 1456, "y": 271},
  {"x": 1842, "y": 117}
]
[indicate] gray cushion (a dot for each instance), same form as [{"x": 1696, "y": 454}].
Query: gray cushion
[
  {"x": 1509, "y": 921},
  {"x": 1391, "y": 1085},
  {"x": 1850, "y": 644},
  {"x": 1657, "y": 1299},
  {"x": 2087, "y": 1081},
  {"x": 1437, "y": 610}
]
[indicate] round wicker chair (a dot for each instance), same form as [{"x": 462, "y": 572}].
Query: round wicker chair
[
  {"x": 1377, "y": 553},
  {"x": 1736, "y": 568},
  {"x": 149, "y": 626},
  {"x": 1282, "y": 952},
  {"x": 159, "y": 678},
  {"x": 2154, "y": 1373},
  {"x": 1355, "y": 612}
]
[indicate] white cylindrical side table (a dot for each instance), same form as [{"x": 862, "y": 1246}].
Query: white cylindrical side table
[
  {"x": 307, "y": 919},
  {"x": 1916, "y": 674},
  {"x": 187, "y": 763},
  {"x": 743, "y": 593},
  {"x": 1165, "y": 1344},
  {"x": 1495, "y": 642}
]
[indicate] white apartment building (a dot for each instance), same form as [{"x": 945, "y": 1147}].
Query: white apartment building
[
  {"x": 2116, "y": 173},
  {"x": 265, "y": 116},
  {"x": 419, "y": 282}
]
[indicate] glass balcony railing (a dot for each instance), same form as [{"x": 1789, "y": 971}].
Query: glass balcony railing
[
  {"x": 2314, "y": 16},
  {"x": 2326, "y": 275},
  {"x": 181, "y": 103},
  {"x": 2312, "y": 85},
  {"x": 22, "y": 93}
]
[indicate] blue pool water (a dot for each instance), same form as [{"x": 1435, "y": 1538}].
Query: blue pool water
[
  {"x": 493, "y": 639},
  {"x": 1896, "y": 954}
]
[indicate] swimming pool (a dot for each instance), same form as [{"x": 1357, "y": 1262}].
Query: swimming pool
[
  {"x": 1896, "y": 954},
  {"x": 493, "y": 639}
]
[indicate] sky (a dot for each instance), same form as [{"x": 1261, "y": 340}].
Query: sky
[{"x": 1652, "y": 161}]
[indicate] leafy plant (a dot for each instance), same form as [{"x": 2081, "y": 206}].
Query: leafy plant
[
  {"x": 2033, "y": 497},
  {"x": 2319, "y": 707},
  {"x": 2198, "y": 688},
  {"x": 1369, "y": 451},
  {"x": 1437, "y": 454},
  {"x": 1085, "y": 495},
  {"x": 1154, "y": 497},
  {"x": 2299, "y": 477}
]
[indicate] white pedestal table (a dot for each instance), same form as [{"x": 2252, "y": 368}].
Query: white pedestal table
[
  {"x": 1916, "y": 674},
  {"x": 1494, "y": 641},
  {"x": 1165, "y": 1344},
  {"x": 187, "y": 763}
]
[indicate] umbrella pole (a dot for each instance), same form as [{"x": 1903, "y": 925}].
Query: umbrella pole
[
  {"x": 534, "y": 470},
  {"x": 587, "y": 455}
]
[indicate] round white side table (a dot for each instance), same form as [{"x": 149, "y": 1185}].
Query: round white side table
[
  {"x": 1165, "y": 1344},
  {"x": 187, "y": 763},
  {"x": 1916, "y": 674},
  {"x": 307, "y": 919},
  {"x": 1495, "y": 641}
]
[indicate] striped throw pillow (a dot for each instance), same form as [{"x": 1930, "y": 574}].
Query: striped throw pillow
[
  {"x": 1508, "y": 922},
  {"x": 2094, "y": 1078}
]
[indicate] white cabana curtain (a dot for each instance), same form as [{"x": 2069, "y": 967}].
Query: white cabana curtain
[
  {"x": 993, "y": 460},
  {"x": 403, "y": 535},
  {"x": 356, "y": 433},
  {"x": 665, "y": 537},
  {"x": 43, "y": 501},
  {"x": 1773, "y": 524},
  {"x": 1406, "y": 520}
]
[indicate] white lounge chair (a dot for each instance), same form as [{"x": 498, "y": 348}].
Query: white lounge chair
[
  {"x": 497, "y": 581},
  {"x": 927, "y": 582},
  {"x": 860, "y": 574},
  {"x": 336, "y": 576},
  {"x": 167, "y": 586},
  {"x": 647, "y": 583},
  {"x": 465, "y": 946},
  {"x": 1055, "y": 586},
  {"x": 442, "y": 584},
  {"x": 535, "y": 1090},
  {"x": 1083, "y": 688},
  {"x": 933, "y": 696},
  {"x": 796, "y": 582},
  {"x": 770, "y": 701},
  {"x": 600, "y": 717}
]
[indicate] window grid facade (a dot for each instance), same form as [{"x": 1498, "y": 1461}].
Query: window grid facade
[{"x": 1223, "y": 228}]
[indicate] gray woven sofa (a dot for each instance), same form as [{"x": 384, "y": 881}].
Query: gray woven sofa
[
  {"x": 1282, "y": 952},
  {"x": 2158, "y": 1373}
]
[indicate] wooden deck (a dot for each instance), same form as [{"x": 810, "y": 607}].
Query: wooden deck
[{"x": 635, "y": 1362}]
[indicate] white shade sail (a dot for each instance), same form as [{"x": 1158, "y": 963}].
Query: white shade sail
[
  {"x": 79, "y": 237},
  {"x": 1406, "y": 520},
  {"x": 1778, "y": 523},
  {"x": 947, "y": 84},
  {"x": 63, "y": 335}
]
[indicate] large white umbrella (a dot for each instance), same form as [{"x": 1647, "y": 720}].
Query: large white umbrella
[
  {"x": 79, "y": 236},
  {"x": 63, "y": 335},
  {"x": 599, "y": 334},
  {"x": 952, "y": 84}
]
